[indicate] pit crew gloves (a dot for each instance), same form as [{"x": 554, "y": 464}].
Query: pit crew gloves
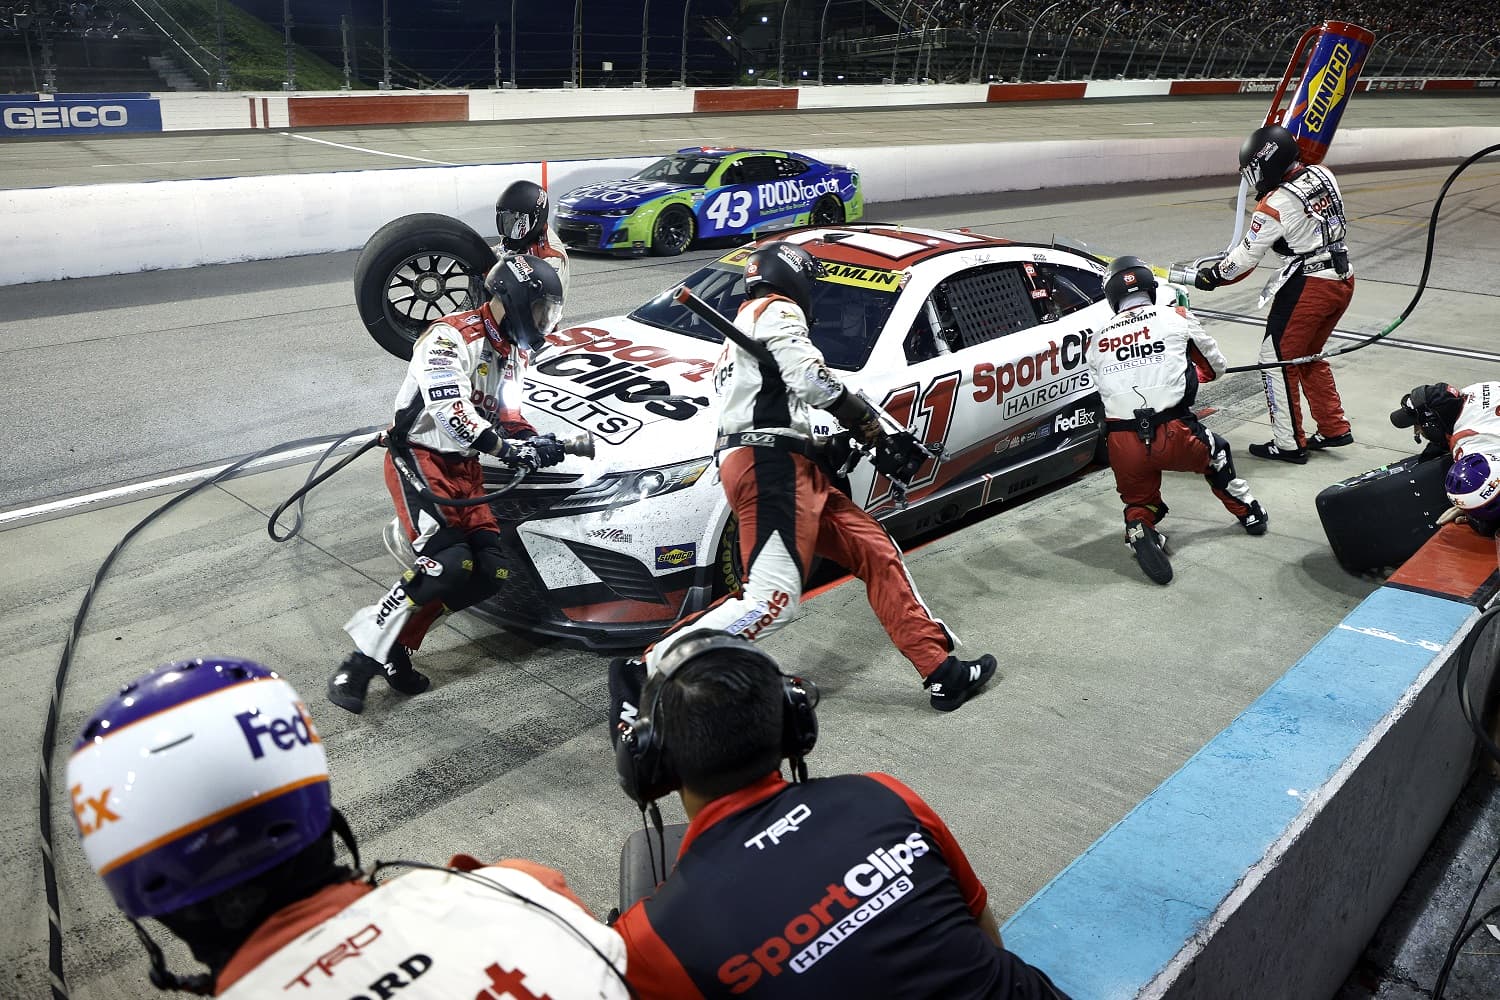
[
  {"x": 857, "y": 416},
  {"x": 1207, "y": 279}
]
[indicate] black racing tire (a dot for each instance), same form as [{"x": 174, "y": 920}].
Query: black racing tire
[
  {"x": 673, "y": 231},
  {"x": 728, "y": 575},
  {"x": 828, "y": 211},
  {"x": 415, "y": 270}
]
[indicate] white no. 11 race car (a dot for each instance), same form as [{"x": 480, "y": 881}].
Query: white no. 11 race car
[{"x": 976, "y": 343}]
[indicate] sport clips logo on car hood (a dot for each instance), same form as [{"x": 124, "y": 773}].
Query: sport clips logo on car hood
[
  {"x": 611, "y": 195},
  {"x": 614, "y": 383}
]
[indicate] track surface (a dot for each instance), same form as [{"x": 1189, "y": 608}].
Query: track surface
[
  {"x": 1107, "y": 683},
  {"x": 48, "y": 162}
]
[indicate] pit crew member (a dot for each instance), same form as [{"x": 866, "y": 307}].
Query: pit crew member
[
  {"x": 216, "y": 820},
  {"x": 1147, "y": 363},
  {"x": 788, "y": 507},
  {"x": 1466, "y": 424},
  {"x": 1300, "y": 216},
  {"x": 461, "y": 397},
  {"x": 849, "y": 886},
  {"x": 521, "y": 214}
]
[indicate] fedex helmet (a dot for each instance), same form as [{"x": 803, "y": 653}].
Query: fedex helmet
[
  {"x": 786, "y": 269},
  {"x": 1265, "y": 157},
  {"x": 530, "y": 292},
  {"x": 521, "y": 215},
  {"x": 1128, "y": 276},
  {"x": 194, "y": 778},
  {"x": 1473, "y": 485}
]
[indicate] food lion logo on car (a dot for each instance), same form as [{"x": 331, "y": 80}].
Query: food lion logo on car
[
  {"x": 668, "y": 556},
  {"x": 867, "y": 889},
  {"x": 790, "y": 823}
]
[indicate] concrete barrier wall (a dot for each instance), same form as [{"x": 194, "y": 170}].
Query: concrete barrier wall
[
  {"x": 1263, "y": 866},
  {"x": 78, "y": 231}
]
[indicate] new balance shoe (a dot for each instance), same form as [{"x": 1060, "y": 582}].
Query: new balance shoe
[
  {"x": 1269, "y": 450},
  {"x": 402, "y": 676},
  {"x": 347, "y": 686},
  {"x": 1149, "y": 547},
  {"x": 1317, "y": 442},
  {"x": 627, "y": 679},
  {"x": 1256, "y": 519},
  {"x": 952, "y": 683}
]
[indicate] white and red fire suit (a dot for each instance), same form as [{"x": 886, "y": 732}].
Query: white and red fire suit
[
  {"x": 1477, "y": 428},
  {"x": 551, "y": 249},
  {"x": 461, "y": 395},
  {"x": 432, "y": 935},
  {"x": 1147, "y": 364},
  {"x": 1303, "y": 221},
  {"x": 788, "y": 507}
]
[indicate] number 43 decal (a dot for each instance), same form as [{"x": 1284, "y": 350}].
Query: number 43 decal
[
  {"x": 936, "y": 409},
  {"x": 730, "y": 209}
]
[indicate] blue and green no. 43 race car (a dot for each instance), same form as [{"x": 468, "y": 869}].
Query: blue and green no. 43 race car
[{"x": 707, "y": 193}]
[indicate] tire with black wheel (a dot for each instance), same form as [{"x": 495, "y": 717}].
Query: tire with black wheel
[
  {"x": 414, "y": 271},
  {"x": 673, "y": 232},
  {"x": 728, "y": 574},
  {"x": 828, "y": 211}
]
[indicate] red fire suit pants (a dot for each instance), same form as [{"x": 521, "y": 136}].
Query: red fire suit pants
[
  {"x": 790, "y": 511},
  {"x": 1181, "y": 445},
  {"x": 1303, "y": 315}
]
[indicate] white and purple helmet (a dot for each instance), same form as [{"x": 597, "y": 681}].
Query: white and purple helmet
[
  {"x": 1473, "y": 486},
  {"x": 194, "y": 778}
]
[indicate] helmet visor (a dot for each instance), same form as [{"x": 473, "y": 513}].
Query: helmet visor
[
  {"x": 515, "y": 225},
  {"x": 546, "y": 312}
]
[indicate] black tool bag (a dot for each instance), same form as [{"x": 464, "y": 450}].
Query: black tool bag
[{"x": 1382, "y": 517}]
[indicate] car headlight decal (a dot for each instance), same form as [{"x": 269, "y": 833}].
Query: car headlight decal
[{"x": 614, "y": 490}]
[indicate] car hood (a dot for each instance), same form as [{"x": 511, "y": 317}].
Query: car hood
[
  {"x": 609, "y": 378},
  {"x": 614, "y": 195}
]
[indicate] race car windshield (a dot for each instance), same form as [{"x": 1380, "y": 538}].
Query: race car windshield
[
  {"x": 846, "y": 322},
  {"x": 693, "y": 170}
]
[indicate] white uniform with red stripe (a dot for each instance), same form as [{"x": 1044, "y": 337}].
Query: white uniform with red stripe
[
  {"x": 458, "y": 385},
  {"x": 1141, "y": 359},
  {"x": 1477, "y": 428},
  {"x": 780, "y": 398},
  {"x": 1302, "y": 220},
  {"x": 431, "y": 935},
  {"x": 553, "y": 252}
]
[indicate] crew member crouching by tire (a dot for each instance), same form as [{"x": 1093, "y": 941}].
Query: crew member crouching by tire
[
  {"x": 1466, "y": 423},
  {"x": 849, "y": 886},
  {"x": 461, "y": 398},
  {"x": 788, "y": 507},
  {"x": 1147, "y": 364}
]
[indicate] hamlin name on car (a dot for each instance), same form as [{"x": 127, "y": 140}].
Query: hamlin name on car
[{"x": 1035, "y": 379}]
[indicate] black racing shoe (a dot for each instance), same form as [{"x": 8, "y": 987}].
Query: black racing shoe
[
  {"x": 950, "y": 685},
  {"x": 1148, "y": 546},
  {"x": 402, "y": 676},
  {"x": 1317, "y": 442},
  {"x": 347, "y": 686},
  {"x": 1269, "y": 450},
  {"x": 1256, "y": 519},
  {"x": 627, "y": 679}
]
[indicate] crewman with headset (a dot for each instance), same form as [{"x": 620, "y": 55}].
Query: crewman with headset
[
  {"x": 849, "y": 886},
  {"x": 215, "y": 819}
]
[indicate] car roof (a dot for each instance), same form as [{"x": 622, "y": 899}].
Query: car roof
[
  {"x": 719, "y": 152},
  {"x": 890, "y": 247}
]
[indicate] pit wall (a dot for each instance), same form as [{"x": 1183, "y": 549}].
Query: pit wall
[
  {"x": 34, "y": 115},
  {"x": 84, "y": 230},
  {"x": 1263, "y": 866}
]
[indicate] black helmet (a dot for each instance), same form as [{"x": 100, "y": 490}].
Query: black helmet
[
  {"x": 784, "y": 268},
  {"x": 1126, "y": 276},
  {"x": 1266, "y": 156},
  {"x": 530, "y": 292},
  {"x": 521, "y": 215}
]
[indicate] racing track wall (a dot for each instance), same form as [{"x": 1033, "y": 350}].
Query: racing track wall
[
  {"x": 33, "y": 115},
  {"x": 77, "y": 231},
  {"x": 1264, "y": 865}
]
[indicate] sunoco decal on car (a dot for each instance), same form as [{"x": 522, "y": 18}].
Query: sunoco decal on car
[
  {"x": 673, "y": 556},
  {"x": 1035, "y": 379}
]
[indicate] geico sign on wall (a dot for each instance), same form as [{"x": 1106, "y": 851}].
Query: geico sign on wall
[{"x": 79, "y": 117}]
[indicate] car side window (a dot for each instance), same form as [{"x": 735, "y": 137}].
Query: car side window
[
  {"x": 1071, "y": 288},
  {"x": 992, "y": 301},
  {"x": 758, "y": 169},
  {"x": 934, "y": 332},
  {"x": 733, "y": 174},
  {"x": 789, "y": 167}
]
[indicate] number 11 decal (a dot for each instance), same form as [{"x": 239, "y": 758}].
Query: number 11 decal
[{"x": 936, "y": 409}]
